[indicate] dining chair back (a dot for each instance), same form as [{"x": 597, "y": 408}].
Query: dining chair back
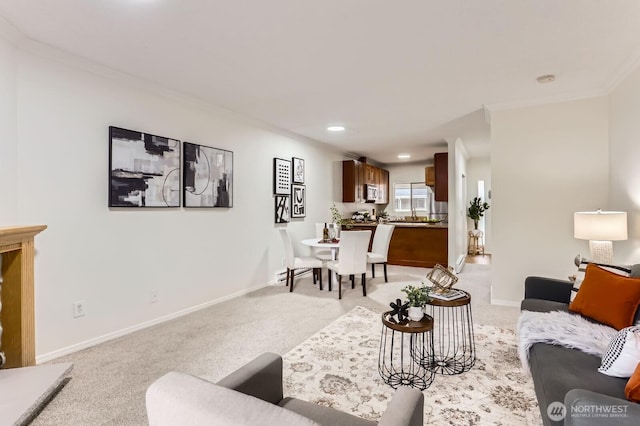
[
  {"x": 293, "y": 262},
  {"x": 353, "y": 259},
  {"x": 380, "y": 248}
]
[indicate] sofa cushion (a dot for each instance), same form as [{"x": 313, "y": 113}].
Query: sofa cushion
[
  {"x": 632, "y": 389},
  {"x": 539, "y": 305},
  {"x": 623, "y": 353},
  {"x": 323, "y": 415},
  {"x": 556, "y": 370},
  {"x": 607, "y": 297}
]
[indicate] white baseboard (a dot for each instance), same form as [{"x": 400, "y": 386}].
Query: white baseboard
[
  {"x": 499, "y": 302},
  {"x": 119, "y": 333}
]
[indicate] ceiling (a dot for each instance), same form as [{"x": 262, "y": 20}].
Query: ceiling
[{"x": 401, "y": 76}]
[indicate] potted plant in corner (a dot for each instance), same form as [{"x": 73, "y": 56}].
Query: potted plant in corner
[
  {"x": 418, "y": 298},
  {"x": 476, "y": 210}
]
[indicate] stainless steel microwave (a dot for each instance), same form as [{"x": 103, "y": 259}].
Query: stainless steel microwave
[{"x": 371, "y": 193}]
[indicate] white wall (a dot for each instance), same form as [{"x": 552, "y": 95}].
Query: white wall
[
  {"x": 113, "y": 258},
  {"x": 457, "y": 199},
  {"x": 8, "y": 142},
  {"x": 479, "y": 168},
  {"x": 547, "y": 162},
  {"x": 624, "y": 161}
]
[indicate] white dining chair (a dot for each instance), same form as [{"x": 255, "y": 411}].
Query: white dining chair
[
  {"x": 321, "y": 253},
  {"x": 380, "y": 248},
  {"x": 353, "y": 259},
  {"x": 293, "y": 262}
]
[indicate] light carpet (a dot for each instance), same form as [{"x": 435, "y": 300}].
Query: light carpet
[{"x": 338, "y": 367}]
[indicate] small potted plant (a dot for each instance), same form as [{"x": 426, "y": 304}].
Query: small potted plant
[
  {"x": 476, "y": 210},
  {"x": 418, "y": 298}
]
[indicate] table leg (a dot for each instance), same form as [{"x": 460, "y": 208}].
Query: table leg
[
  {"x": 455, "y": 350},
  {"x": 397, "y": 358}
]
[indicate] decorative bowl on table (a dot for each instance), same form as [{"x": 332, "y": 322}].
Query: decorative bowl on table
[{"x": 431, "y": 221}]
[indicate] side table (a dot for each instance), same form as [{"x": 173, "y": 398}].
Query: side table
[
  {"x": 403, "y": 347},
  {"x": 454, "y": 341}
]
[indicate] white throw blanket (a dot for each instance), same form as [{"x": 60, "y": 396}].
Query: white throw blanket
[{"x": 562, "y": 329}]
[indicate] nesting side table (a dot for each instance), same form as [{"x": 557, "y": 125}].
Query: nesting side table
[
  {"x": 454, "y": 341},
  {"x": 406, "y": 349}
]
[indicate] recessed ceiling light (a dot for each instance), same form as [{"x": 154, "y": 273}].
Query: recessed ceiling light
[
  {"x": 547, "y": 78},
  {"x": 404, "y": 156},
  {"x": 335, "y": 128}
]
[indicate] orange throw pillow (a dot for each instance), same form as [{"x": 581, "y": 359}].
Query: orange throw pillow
[
  {"x": 632, "y": 390},
  {"x": 607, "y": 297}
]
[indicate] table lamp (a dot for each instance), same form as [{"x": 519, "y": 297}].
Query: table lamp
[{"x": 600, "y": 228}]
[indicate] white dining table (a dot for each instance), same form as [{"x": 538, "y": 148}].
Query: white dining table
[{"x": 316, "y": 242}]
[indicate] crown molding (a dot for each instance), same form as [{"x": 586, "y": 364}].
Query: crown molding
[
  {"x": 10, "y": 33},
  {"x": 586, "y": 94},
  {"x": 629, "y": 66},
  {"x": 54, "y": 54}
]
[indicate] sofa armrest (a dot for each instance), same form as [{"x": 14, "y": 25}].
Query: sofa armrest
[
  {"x": 182, "y": 399},
  {"x": 261, "y": 378},
  {"x": 406, "y": 408},
  {"x": 548, "y": 289},
  {"x": 586, "y": 408}
]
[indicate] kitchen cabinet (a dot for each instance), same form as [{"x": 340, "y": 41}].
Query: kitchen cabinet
[
  {"x": 441, "y": 166},
  {"x": 412, "y": 244},
  {"x": 356, "y": 175},
  {"x": 353, "y": 181},
  {"x": 370, "y": 174},
  {"x": 430, "y": 176},
  {"x": 421, "y": 246},
  {"x": 383, "y": 187}
]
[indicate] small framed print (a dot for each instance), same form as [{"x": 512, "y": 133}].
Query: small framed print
[
  {"x": 297, "y": 165},
  {"x": 298, "y": 201},
  {"x": 281, "y": 176},
  {"x": 282, "y": 209}
]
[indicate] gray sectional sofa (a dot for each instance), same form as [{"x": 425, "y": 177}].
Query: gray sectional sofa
[{"x": 571, "y": 376}]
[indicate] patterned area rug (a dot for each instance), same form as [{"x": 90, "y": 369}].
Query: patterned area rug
[{"x": 338, "y": 367}]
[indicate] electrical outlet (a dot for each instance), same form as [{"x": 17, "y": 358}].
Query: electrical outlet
[
  {"x": 79, "y": 309},
  {"x": 154, "y": 296}
]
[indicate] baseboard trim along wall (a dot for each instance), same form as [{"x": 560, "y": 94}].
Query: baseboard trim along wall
[
  {"x": 119, "y": 333},
  {"x": 499, "y": 302}
]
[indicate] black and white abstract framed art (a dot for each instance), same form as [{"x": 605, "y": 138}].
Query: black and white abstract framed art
[
  {"x": 297, "y": 166},
  {"x": 298, "y": 201},
  {"x": 144, "y": 169},
  {"x": 282, "y": 209},
  {"x": 207, "y": 179},
  {"x": 281, "y": 176}
]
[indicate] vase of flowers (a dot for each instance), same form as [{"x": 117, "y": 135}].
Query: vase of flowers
[{"x": 418, "y": 298}]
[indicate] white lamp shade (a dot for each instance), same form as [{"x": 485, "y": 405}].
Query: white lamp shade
[{"x": 600, "y": 225}]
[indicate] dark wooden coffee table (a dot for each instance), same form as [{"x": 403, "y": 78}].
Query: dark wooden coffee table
[
  {"x": 406, "y": 350},
  {"x": 454, "y": 341}
]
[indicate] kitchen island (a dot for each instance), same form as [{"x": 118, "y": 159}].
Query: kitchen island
[{"x": 414, "y": 243}]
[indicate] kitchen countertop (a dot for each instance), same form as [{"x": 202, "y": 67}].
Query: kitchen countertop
[{"x": 404, "y": 224}]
